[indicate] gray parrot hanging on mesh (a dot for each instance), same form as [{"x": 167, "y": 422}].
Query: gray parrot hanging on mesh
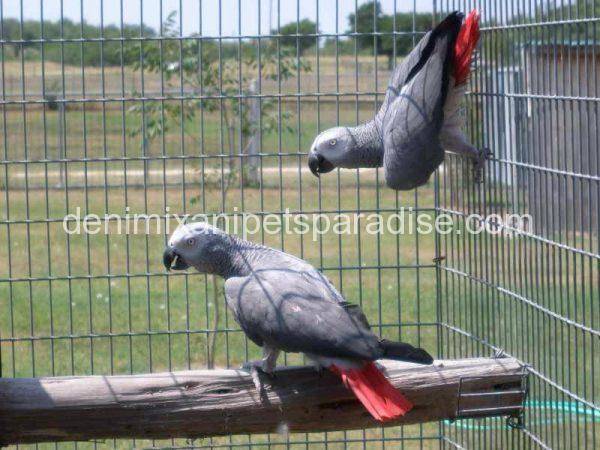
[
  {"x": 282, "y": 303},
  {"x": 420, "y": 116}
]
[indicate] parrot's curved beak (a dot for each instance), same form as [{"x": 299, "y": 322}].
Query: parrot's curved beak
[
  {"x": 318, "y": 164},
  {"x": 172, "y": 260}
]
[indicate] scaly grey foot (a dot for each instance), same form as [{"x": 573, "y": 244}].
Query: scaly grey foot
[
  {"x": 483, "y": 155},
  {"x": 256, "y": 369}
]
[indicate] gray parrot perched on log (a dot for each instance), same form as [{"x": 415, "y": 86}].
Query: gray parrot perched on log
[
  {"x": 282, "y": 303},
  {"x": 420, "y": 115}
]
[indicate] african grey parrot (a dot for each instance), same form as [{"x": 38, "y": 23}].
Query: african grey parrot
[
  {"x": 419, "y": 117},
  {"x": 283, "y": 303}
]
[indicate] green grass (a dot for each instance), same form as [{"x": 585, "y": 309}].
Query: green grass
[
  {"x": 140, "y": 319},
  {"x": 161, "y": 322},
  {"x": 34, "y": 134},
  {"x": 138, "y": 304}
]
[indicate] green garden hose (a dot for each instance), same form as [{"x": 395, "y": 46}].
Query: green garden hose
[{"x": 570, "y": 408}]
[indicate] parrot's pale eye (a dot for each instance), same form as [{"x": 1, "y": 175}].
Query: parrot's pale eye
[
  {"x": 191, "y": 242},
  {"x": 333, "y": 142}
]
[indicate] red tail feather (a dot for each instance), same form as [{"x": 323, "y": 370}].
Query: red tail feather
[
  {"x": 375, "y": 392},
  {"x": 465, "y": 44}
]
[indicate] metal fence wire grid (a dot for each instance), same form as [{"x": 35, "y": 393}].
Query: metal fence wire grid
[{"x": 157, "y": 107}]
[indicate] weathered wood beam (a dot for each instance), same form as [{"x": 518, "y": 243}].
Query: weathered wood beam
[{"x": 217, "y": 402}]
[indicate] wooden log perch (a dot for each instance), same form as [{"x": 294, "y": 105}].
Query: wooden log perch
[{"x": 204, "y": 403}]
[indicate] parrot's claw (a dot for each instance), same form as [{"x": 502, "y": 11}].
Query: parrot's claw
[
  {"x": 257, "y": 371},
  {"x": 499, "y": 353},
  {"x": 483, "y": 155},
  {"x": 260, "y": 366},
  {"x": 258, "y": 384}
]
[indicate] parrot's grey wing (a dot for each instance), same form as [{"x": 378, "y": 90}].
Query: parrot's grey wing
[
  {"x": 242, "y": 308},
  {"x": 300, "y": 311},
  {"x": 399, "y": 76},
  {"x": 413, "y": 121}
]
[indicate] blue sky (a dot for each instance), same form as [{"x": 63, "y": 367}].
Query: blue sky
[{"x": 93, "y": 10}]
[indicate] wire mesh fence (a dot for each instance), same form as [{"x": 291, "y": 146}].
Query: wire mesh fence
[
  {"x": 116, "y": 108},
  {"x": 533, "y": 295}
]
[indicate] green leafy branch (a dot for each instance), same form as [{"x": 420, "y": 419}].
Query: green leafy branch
[{"x": 220, "y": 78}]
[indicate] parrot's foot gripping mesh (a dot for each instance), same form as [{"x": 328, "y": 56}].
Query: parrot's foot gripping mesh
[{"x": 484, "y": 154}]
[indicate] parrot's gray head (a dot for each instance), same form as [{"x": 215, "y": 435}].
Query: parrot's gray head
[
  {"x": 198, "y": 245},
  {"x": 332, "y": 148}
]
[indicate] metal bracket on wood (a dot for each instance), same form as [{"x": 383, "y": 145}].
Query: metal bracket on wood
[{"x": 509, "y": 398}]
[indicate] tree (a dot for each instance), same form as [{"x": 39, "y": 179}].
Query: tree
[
  {"x": 88, "y": 53},
  {"x": 219, "y": 83},
  {"x": 507, "y": 46},
  {"x": 415, "y": 24},
  {"x": 364, "y": 22},
  {"x": 370, "y": 19},
  {"x": 11, "y": 30},
  {"x": 293, "y": 29}
]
